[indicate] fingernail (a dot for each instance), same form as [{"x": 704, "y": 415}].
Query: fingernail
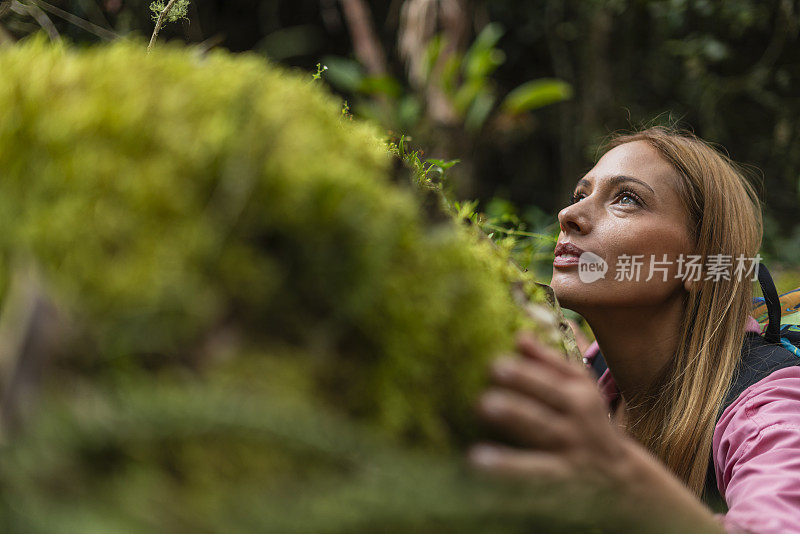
[
  {"x": 503, "y": 367},
  {"x": 483, "y": 455}
]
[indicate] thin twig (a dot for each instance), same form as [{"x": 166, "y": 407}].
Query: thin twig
[
  {"x": 83, "y": 24},
  {"x": 208, "y": 44},
  {"x": 159, "y": 23},
  {"x": 39, "y": 16},
  {"x": 522, "y": 233}
]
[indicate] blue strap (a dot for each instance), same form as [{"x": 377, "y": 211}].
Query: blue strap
[{"x": 790, "y": 347}]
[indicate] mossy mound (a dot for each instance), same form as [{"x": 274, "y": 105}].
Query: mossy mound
[{"x": 234, "y": 260}]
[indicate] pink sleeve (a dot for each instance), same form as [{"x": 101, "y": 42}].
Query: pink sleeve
[{"x": 757, "y": 456}]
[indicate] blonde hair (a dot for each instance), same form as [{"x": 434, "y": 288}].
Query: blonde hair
[{"x": 677, "y": 418}]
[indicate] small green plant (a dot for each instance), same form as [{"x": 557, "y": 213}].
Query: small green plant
[
  {"x": 172, "y": 11},
  {"x": 498, "y": 221},
  {"x": 178, "y": 11},
  {"x": 320, "y": 69}
]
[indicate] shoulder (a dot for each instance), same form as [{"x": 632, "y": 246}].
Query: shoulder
[{"x": 756, "y": 452}]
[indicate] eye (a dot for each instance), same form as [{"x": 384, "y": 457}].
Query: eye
[
  {"x": 576, "y": 197},
  {"x": 633, "y": 198}
]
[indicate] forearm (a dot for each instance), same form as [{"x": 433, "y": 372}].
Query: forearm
[{"x": 649, "y": 491}]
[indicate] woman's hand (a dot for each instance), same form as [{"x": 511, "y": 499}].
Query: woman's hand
[{"x": 555, "y": 412}]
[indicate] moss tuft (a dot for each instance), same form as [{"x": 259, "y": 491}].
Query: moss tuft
[{"x": 210, "y": 223}]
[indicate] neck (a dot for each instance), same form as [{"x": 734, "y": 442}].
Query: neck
[{"x": 637, "y": 342}]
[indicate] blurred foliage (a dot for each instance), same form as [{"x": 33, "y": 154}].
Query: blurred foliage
[
  {"x": 725, "y": 69},
  {"x": 465, "y": 82},
  {"x": 256, "y": 306}
]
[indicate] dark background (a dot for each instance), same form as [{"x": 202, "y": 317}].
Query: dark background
[{"x": 729, "y": 71}]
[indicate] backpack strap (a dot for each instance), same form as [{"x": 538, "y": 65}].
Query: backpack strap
[
  {"x": 772, "y": 333},
  {"x": 599, "y": 364}
]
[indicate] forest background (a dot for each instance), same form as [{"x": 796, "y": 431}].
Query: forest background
[{"x": 521, "y": 94}]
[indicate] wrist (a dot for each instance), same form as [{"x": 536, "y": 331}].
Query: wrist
[{"x": 647, "y": 489}]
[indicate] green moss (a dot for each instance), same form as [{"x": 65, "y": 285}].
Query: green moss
[{"x": 171, "y": 198}]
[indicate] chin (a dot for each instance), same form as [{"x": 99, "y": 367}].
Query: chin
[
  {"x": 569, "y": 292},
  {"x": 580, "y": 297}
]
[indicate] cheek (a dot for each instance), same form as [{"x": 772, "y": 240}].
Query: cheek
[{"x": 657, "y": 250}]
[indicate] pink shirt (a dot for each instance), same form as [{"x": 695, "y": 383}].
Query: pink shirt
[{"x": 756, "y": 451}]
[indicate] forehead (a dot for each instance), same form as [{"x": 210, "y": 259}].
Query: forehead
[{"x": 639, "y": 160}]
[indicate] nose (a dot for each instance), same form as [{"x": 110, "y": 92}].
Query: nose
[{"x": 574, "y": 218}]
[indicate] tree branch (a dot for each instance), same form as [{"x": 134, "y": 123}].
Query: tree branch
[{"x": 366, "y": 45}]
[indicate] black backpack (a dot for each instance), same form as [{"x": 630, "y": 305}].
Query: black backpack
[{"x": 762, "y": 355}]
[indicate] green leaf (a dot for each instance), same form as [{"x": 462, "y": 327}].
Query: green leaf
[
  {"x": 442, "y": 163},
  {"x": 381, "y": 85},
  {"x": 409, "y": 111},
  {"x": 450, "y": 70},
  {"x": 483, "y": 63},
  {"x": 483, "y": 58},
  {"x": 479, "y": 110},
  {"x": 344, "y": 74},
  {"x": 291, "y": 42},
  {"x": 466, "y": 95},
  {"x": 536, "y": 94}
]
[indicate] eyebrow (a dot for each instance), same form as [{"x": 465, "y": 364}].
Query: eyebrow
[{"x": 621, "y": 178}]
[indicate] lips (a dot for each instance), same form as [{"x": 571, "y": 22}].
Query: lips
[{"x": 566, "y": 254}]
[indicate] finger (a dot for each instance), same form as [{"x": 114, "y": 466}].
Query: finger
[
  {"x": 525, "y": 421},
  {"x": 499, "y": 460},
  {"x": 530, "y": 347},
  {"x": 569, "y": 396},
  {"x": 531, "y": 378}
]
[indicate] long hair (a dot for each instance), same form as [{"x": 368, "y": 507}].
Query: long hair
[{"x": 677, "y": 418}]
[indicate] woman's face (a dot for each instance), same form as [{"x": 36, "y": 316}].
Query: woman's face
[{"x": 627, "y": 205}]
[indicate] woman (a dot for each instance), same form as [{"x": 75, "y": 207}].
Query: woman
[{"x": 672, "y": 343}]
